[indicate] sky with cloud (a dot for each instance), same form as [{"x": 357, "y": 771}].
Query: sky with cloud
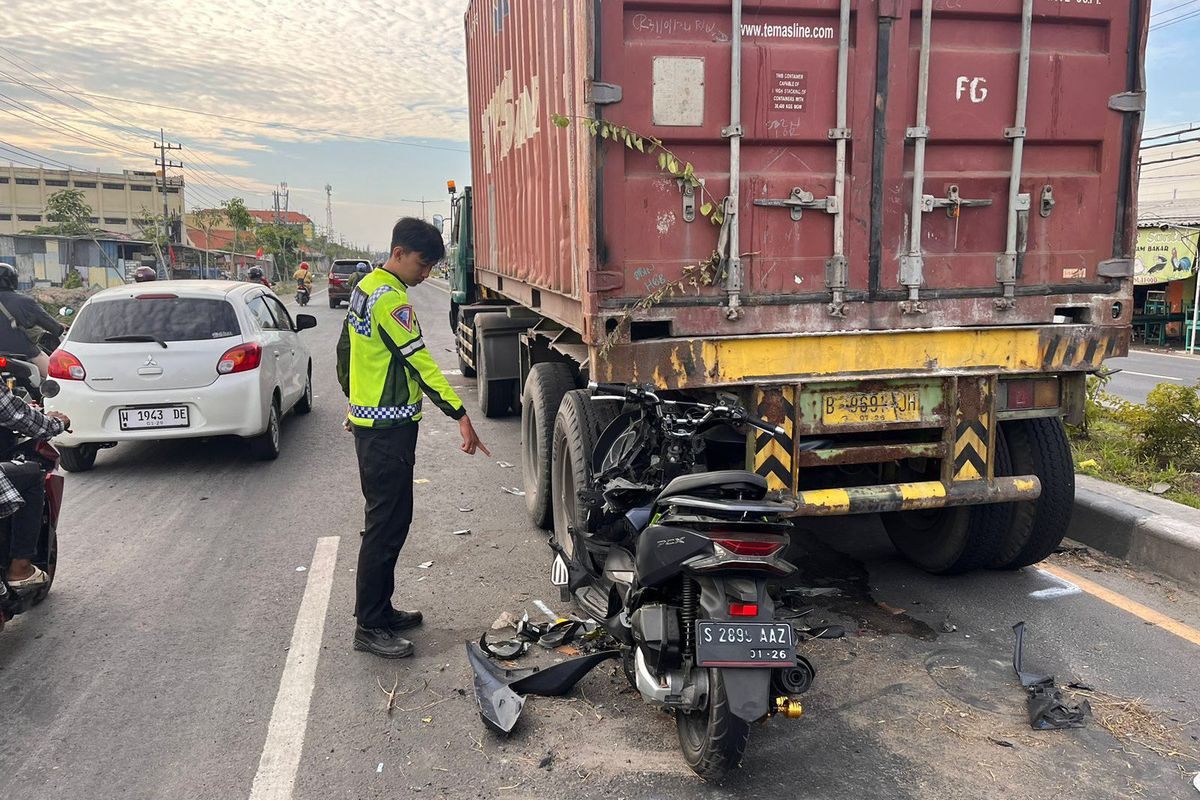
[{"x": 365, "y": 95}]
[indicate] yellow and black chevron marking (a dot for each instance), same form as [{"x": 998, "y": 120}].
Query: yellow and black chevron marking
[
  {"x": 1063, "y": 350},
  {"x": 773, "y": 454},
  {"x": 971, "y": 449}
]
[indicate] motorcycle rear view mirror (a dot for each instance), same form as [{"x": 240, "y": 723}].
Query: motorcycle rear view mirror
[
  {"x": 49, "y": 388},
  {"x": 66, "y": 311}
]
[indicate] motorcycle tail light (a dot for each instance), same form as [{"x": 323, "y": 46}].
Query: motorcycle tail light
[
  {"x": 751, "y": 545},
  {"x": 743, "y": 609},
  {"x": 242, "y": 358},
  {"x": 66, "y": 367}
]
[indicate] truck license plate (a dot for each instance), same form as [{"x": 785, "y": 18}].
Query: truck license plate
[
  {"x": 856, "y": 408},
  {"x": 156, "y": 417},
  {"x": 744, "y": 644}
]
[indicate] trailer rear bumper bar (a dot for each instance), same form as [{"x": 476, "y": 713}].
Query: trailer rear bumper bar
[{"x": 914, "y": 496}]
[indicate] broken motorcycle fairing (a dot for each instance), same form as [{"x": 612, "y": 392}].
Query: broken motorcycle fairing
[{"x": 1046, "y": 708}]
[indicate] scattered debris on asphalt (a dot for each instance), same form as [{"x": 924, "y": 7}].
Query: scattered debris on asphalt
[
  {"x": 822, "y": 632},
  {"x": 546, "y": 761},
  {"x": 301, "y": 569},
  {"x": 463, "y": 532},
  {"x": 420, "y": 480},
  {"x": 512, "y": 490},
  {"x": 425, "y": 565},
  {"x": 1000, "y": 742},
  {"x": 503, "y": 649},
  {"x": 1160, "y": 488},
  {"x": 504, "y": 465},
  {"x": 465, "y": 509},
  {"x": 505, "y": 620},
  {"x": 948, "y": 626},
  {"x": 823, "y": 591},
  {"x": 1046, "y": 707}
]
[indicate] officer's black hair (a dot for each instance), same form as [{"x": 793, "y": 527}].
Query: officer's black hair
[{"x": 418, "y": 236}]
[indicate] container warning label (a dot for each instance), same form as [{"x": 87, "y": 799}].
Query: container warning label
[{"x": 790, "y": 91}]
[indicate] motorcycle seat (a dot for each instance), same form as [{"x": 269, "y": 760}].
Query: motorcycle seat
[{"x": 722, "y": 483}]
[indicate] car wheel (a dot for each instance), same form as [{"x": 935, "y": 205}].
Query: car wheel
[
  {"x": 78, "y": 459},
  {"x": 265, "y": 446},
  {"x": 305, "y": 403},
  {"x": 334, "y": 303}
]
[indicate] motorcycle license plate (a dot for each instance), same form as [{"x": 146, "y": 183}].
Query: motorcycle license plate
[
  {"x": 154, "y": 417},
  {"x": 744, "y": 644}
]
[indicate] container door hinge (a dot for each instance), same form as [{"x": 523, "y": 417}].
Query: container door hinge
[
  {"x": 604, "y": 94},
  {"x": 800, "y": 200},
  {"x": 1128, "y": 102}
]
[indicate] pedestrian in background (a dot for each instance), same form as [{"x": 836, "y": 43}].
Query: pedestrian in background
[{"x": 384, "y": 367}]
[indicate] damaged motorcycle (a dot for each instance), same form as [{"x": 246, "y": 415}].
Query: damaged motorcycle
[{"x": 675, "y": 556}]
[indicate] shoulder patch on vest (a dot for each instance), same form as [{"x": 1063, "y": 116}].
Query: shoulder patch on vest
[{"x": 404, "y": 316}]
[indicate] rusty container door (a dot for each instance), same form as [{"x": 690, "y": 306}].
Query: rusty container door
[{"x": 1062, "y": 124}]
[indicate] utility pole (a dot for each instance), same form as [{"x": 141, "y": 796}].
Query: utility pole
[
  {"x": 162, "y": 161},
  {"x": 328, "y": 211},
  {"x": 423, "y": 203}
]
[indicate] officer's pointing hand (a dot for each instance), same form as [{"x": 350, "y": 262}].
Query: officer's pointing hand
[{"x": 471, "y": 441}]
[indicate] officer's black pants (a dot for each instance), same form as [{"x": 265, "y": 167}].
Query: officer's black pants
[
  {"x": 27, "y": 521},
  {"x": 385, "y": 468}
]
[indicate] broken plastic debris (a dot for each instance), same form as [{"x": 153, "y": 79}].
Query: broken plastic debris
[
  {"x": 465, "y": 509},
  {"x": 504, "y": 464},
  {"x": 948, "y": 626},
  {"x": 420, "y": 480},
  {"x": 512, "y": 490},
  {"x": 1160, "y": 488},
  {"x": 1045, "y": 705},
  {"x": 425, "y": 565},
  {"x": 813, "y": 592},
  {"x": 427, "y": 720},
  {"x": 505, "y": 620},
  {"x": 822, "y": 632},
  {"x": 503, "y": 648},
  {"x": 1001, "y": 742},
  {"x": 463, "y": 532},
  {"x": 380, "y": 767},
  {"x": 301, "y": 569},
  {"x": 546, "y": 761}
]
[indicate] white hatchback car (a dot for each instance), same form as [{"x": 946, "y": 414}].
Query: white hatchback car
[{"x": 179, "y": 359}]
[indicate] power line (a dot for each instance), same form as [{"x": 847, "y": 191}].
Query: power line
[
  {"x": 1168, "y": 23},
  {"x": 1187, "y": 128},
  {"x": 1174, "y": 8},
  {"x": 62, "y": 128},
  {"x": 39, "y": 156},
  {"x": 1167, "y": 160},
  {"x": 1169, "y": 144},
  {"x": 275, "y": 125}
]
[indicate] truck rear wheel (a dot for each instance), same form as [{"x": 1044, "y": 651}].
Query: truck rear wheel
[
  {"x": 1038, "y": 447},
  {"x": 545, "y": 387},
  {"x": 577, "y": 427},
  {"x": 949, "y": 541}
]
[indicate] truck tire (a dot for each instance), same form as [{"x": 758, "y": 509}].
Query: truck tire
[
  {"x": 577, "y": 427},
  {"x": 950, "y": 541},
  {"x": 545, "y": 387},
  {"x": 466, "y": 369},
  {"x": 1038, "y": 447}
]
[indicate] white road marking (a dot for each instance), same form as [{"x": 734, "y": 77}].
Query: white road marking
[
  {"x": 280, "y": 760},
  {"x": 437, "y": 286},
  {"x": 1165, "y": 355},
  {"x": 1150, "y": 375},
  {"x": 1061, "y": 588}
]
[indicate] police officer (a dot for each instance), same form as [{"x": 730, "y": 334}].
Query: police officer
[{"x": 384, "y": 367}]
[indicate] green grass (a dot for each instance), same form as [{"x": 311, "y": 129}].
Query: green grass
[{"x": 1109, "y": 451}]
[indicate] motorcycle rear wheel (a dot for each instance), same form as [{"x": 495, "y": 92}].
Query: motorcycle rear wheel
[{"x": 713, "y": 739}]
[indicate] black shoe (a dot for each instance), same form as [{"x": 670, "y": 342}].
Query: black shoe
[
  {"x": 405, "y": 619},
  {"x": 382, "y": 642}
]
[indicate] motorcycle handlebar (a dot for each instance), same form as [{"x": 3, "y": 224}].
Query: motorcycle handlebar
[{"x": 639, "y": 393}]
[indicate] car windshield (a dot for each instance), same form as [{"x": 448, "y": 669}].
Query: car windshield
[{"x": 168, "y": 319}]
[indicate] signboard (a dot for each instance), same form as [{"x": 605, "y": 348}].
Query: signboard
[{"x": 1164, "y": 255}]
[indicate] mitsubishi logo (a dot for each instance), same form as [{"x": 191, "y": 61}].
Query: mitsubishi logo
[{"x": 150, "y": 362}]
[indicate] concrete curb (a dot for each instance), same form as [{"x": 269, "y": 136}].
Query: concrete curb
[{"x": 1149, "y": 531}]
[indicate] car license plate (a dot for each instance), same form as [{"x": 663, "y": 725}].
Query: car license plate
[
  {"x": 855, "y": 408},
  {"x": 155, "y": 417},
  {"x": 744, "y": 644}
]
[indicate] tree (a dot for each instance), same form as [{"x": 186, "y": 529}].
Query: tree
[
  {"x": 279, "y": 240},
  {"x": 150, "y": 228},
  {"x": 206, "y": 219},
  {"x": 69, "y": 212},
  {"x": 240, "y": 219}
]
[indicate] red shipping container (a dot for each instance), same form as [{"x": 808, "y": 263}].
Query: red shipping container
[{"x": 580, "y": 229}]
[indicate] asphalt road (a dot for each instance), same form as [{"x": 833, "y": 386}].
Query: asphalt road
[
  {"x": 199, "y": 636},
  {"x": 1142, "y": 370}
]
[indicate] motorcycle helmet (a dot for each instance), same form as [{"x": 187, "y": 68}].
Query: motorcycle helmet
[
  {"x": 362, "y": 267},
  {"x": 143, "y": 274},
  {"x": 8, "y": 277},
  {"x": 303, "y": 266},
  {"x": 255, "y": 274}
]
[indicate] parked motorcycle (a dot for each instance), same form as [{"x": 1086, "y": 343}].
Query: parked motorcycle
[
  {"x": 676, "y": 558},
  {"x": 42, "y": 453},
  {"x": 302, "y": 294}
]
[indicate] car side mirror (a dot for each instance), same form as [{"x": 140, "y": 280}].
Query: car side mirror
[{"x": 305, "y": 321}]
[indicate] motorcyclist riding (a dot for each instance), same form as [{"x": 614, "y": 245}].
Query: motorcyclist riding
[
  {"x": 19, "y": 313},
  {"x": 143, "y": 274},
  {"x": 361, "y": 270},
  {"x": 255, "y": 274},
  {"x": 303, "y": 275},
  {"x": 21, "y": 489}
]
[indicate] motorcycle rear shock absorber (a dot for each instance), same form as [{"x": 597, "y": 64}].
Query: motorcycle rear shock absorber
[{"x": 687, "y": 615}]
